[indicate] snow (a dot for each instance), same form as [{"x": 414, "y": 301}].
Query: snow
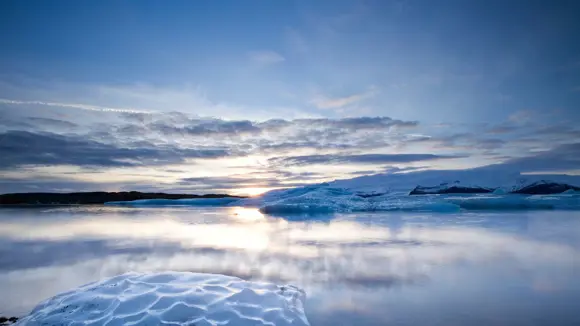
[
  {"x": 445, "y": 188},
  {"x": 173, "y": 298},
  {"x": 390, "y": 192},
  {"x": 477, "y": 178}
]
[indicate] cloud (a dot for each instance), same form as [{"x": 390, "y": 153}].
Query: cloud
[
  {"x": 564, "y": 130},
  {"x": 74, "y": 106},
  {"x": 266, "y": 57},
  {"x": 21, "y": 148},
  {"x": 209, "y": 128},
  {"x": 502, "y": 129},
  {"x": 562, "y": 158},
  {"x": 464, "y": 141},
  {"x": 63, "y": 97},
  {"x": 357, "y": 159},
  {"x": 58, "y": 184},
  {"x": 53, "y": 122},
  {"x": 351, "y": 124},
  {"x": 228, "y": 182},
  {"x": 488, "y": 143},
  {"x": 359, "y": 123},
  {"x": 296, "y": 41},
  {"x": 324, "y": 102},
  {"x": 271, "y": 136},
  {"x": 521, "y": 116},
  {"x": 162, "y": 140}
]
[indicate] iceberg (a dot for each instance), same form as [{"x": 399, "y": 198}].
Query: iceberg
[
  {"x": 544, "y": 187},
  {"x": 445, "y": 188},
  {"x": 476, "y": 189},
  {"x": 173, "y": 298},
  {"x": 336, "y": 200},
  {"x": 456, "y": 190}
]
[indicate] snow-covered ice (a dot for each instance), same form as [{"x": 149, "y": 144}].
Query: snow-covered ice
[
  {"x": 390, "y": 192},
  {"x": 173, "y": 298}
]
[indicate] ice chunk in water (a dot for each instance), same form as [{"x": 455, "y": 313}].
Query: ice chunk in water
[{"x": 178, "y": 298}]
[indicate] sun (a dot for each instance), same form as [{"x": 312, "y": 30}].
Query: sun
[{"x": 252, "y": 191}]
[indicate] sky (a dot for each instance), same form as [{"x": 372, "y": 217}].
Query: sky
[{"x": 245, "y": 96}]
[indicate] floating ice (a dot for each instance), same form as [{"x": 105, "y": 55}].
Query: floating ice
[
  {"x": 571, "y": 191},
  {"x": 487, "y": 188},
  {"x": 173, "y": 298},
  {"x": 446, "y": 188},
  {"x": 506, "y": 202},
  {"x": 545, "y": 187},
  {"x": 499, "y": 191}
]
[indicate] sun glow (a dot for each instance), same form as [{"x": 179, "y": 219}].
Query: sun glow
[
  {"x": 247, "y": 214},
  {"x": 254, "y": 191}
]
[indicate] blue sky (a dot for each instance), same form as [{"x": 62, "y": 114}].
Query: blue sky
[{"x": 149, "y": 85}]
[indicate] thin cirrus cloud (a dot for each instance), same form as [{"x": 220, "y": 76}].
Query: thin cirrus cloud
[
  {"x": 358, "y": 159},
  {"x": 22, "y": 148},
  {"x": 75, "y": 106},
  {"x": 229, "y": 182},
  {"x": 561, "y": 158},
  {"x": 502, "y": 129},
  {"x": 325, "y": 102},
  {"x": 266, "y": 57}
]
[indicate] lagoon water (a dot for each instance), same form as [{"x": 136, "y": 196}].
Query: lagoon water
[{"x": 383, "y": 268}]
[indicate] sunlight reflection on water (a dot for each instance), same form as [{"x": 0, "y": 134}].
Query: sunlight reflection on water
[{"x": 358, "y": 267}]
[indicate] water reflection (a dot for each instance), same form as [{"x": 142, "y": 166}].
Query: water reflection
[{"x": 363, "y": 269}]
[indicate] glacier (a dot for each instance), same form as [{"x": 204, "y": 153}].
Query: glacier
[
  {"x": 173, "y": 298},
  {"x": 425, "y": 191}
]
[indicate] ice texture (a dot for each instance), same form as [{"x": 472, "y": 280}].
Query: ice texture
[
  {"x": 446, "y": 188},
  {"x": 173, "y": 298}
]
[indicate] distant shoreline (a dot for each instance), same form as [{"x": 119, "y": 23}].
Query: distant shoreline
[{"x": 35, "y": 199}]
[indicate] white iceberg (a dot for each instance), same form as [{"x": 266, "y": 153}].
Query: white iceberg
[
  {"x": 390, "y": 192},
  {"x": 173, "y": 298},
  {"x": 482, "y": 188}
]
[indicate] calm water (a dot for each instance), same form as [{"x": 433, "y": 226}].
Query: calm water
[{"x": 516, "y": 268}]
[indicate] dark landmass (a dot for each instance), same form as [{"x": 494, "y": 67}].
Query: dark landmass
[
  {"x": 7, "y": 320},
  {"x": 87, "y": 198},
  {"x": 538, "y": 188},
  {"x": 545, "y": 188},
  {"x": 419, "y": 190}
]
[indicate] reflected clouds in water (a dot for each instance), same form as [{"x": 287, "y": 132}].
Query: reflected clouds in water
[{"x": 346, "y": 263}]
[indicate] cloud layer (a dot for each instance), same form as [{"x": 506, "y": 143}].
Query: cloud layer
[
  {"x": 174, "y": 151},
  {"x": 357, "y": 159},
  {"x": 22, "y": 148}
]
